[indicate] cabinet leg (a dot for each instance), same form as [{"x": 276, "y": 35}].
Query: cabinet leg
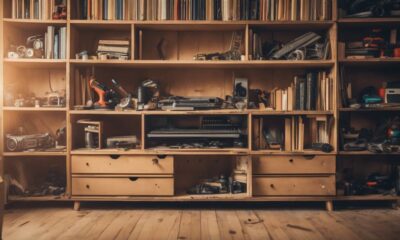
[
  {"x": 77, "y": 206},
  {"x": 329, "y": 206},
  {"x": 396, "y": 205}
]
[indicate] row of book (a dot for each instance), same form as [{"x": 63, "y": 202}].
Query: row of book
[
  {"x": 293, "y": 10},
  {"x": 267, "y": 10},
  {"x": 301, "y": 132},
  {"x": 55, "y": 43},
  {"x": 313, "y": 91},
  {"x": 114, "y": 49},
  {"x": 295, "y": 133},
  {"x": 37, "y": 9}
]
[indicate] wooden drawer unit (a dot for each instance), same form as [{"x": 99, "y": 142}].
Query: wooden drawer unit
[
  {"x": 294, "y": 186},
  {"x": 123, "y": 186},
  {"x": 125, "y": 164},
  {"x": 321, "y": 164}
]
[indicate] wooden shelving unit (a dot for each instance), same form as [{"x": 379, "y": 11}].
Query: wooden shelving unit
[
  {"x": 362, "y": 73},
  {"x": 214, "y": 75}
]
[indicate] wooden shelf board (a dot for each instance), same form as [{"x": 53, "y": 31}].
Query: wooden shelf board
[
  {"x": 278, "y": 152},
  {"x": 33, "y": 154},
  {"x": 366, "y": 153},
  {"x": 356, "y": 22},
  {"x": 84, "y": 151},
  {"x": 201, "y": 112},
  {"x": 206, "y": 64},
  {"x": 373, "y": 62},
  {"x": 104, "y": 112},
  {"x": 385, "y": 109},
  {"x": 34, "y": 21},
  {"x": 120, "y": 25},
  {"x": 34, "y": 109},
  {"x": 372, "y": 197},
  {"x": 192, "y": 25},
  {"x": 291, "y": 25},
  {"x": 242, "y": 197},
  {"x": 205, "y": 112},
  {"x": 36, "y": 63},
  {"x": 268, "y": 112},
  {"x": 178, "y": 25},
  {"x": 14, "y": 198},
  {"x": 198, "y": 151},
  {"x": 226, "y": 151}
]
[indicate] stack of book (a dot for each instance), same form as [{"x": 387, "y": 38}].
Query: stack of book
[
  {"x": 35, "y": 9},
  {"x": 55, "y": 43},
  {"x": 317, "y": 128},
  {"x": 114, "y": 49},
  {"x": 314, "y": 91},
  {"x": 267, "y": 10}
]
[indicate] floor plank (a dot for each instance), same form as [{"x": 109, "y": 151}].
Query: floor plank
[
  {"x": 209, "y": 225},
  {"x": 104, "y": 222}
]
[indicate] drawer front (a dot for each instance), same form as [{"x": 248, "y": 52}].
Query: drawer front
[
  {"x": 294, "y": 186},
  {"x": 294, "y": 164},
  {"x": 123, "y": 186},
  {"x": 122, "y": 164}
]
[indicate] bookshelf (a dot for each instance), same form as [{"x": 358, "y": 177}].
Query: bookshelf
[{"x": 206, "y": 78}]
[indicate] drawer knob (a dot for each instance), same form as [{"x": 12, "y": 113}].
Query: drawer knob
[
  {"x": 155, "y": 160},
  {"x": 309, "y": 157},
  {"x": 291, "y": 160},
  {"x": 114, "y": 156},
  {"x": 323, "y": 186},
  {"x": 87, "y": 186},
  {"x": 87, "y": 164},
  {"x": 272, "y": 185}
]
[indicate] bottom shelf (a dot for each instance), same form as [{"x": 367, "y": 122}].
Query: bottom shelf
[
  {"x": 14, "y": 198},
  {"x": 217, "y": 197},
  {"x": 373, "y": 197}
]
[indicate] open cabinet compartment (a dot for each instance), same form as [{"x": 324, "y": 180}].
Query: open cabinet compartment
[
  {"x": 263, "y": 37},
  {"x": 291, "y": 133},
  {"x": 34, "y": 83},
  {"x": 179, "y": 42},
  {"x": 193, "y": 170},
  {"x": 196, "y": 132},
  {"x": 367, "y": 176},
  {"x": 27, "y": 123},
  {"x": 35, "y": 177},
  {"x": 128, "y": 125},
  {"x": 85, "y": 37},
  {"x": 356, "y": 79},
  {"x": 375, "y": 129},
  {"x": 18, "y": 34},
  {"x": 358, "y": 32},
  {"x": 32, "y": 8}
]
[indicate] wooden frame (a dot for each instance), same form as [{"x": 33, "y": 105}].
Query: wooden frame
[{"x": 136, "y": 64}]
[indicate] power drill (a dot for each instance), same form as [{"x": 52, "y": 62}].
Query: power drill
[
  {"x": 108, "y": 98},
  {"x": 126, "y": 98}
]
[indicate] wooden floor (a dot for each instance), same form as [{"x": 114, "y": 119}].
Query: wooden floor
[{"x": 198, "y": 222}]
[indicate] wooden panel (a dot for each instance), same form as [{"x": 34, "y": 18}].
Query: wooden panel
[
  {"x": 294, "y": 164},
  {"x": 294, "y": 186},
  {"x": 122, "y": 164},
  {"x": 134, "y": 186}
]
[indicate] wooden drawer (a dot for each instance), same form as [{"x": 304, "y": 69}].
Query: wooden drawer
[
  {"x": 294, "y": 186},
  {"x": 124, "y": 164},
  {"x": 123, "y": 186},
  {"x": 294, "y": 164}
]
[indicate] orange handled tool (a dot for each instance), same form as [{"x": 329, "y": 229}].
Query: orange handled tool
[{"x": 100, "y": 90}]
